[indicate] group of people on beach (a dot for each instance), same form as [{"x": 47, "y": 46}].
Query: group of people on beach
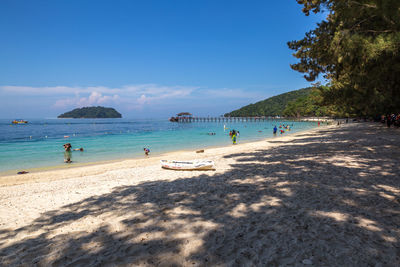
[
  {"x": 234, "y": 135},
  {"x": 68, "y": 152},
  {"x": 391, "y": 119},
  {"x": 281, "y": 129}
]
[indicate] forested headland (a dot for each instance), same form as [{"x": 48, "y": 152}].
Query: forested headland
[{"x": 304, "y": 102}]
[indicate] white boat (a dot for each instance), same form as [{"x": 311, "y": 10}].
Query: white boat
[{"x": 189, "y": 165}]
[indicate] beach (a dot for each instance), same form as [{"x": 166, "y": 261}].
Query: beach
[{"x": 329, "y": 196}]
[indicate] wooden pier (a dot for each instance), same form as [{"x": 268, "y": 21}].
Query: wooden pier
[{"x": 221, "y": 119}]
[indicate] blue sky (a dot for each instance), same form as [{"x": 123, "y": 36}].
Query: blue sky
[{"x": 146, "y": 58}]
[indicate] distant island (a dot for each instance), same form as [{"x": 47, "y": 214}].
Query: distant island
[{"x": 91, "y": 113}]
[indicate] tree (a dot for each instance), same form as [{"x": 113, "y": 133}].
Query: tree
[{"x": 357, "y": 48}]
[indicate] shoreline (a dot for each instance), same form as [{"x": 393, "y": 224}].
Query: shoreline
[
  {"x": 328, "y": 196},
  {"x": 65, "y": 171}
]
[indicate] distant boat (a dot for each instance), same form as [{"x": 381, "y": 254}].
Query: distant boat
[
  {"x": 190, "y": 165},
  {"x": 19, "y": 121}
]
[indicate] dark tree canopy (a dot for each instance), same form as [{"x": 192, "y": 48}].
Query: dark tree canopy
[
  {"x": 356, "y": 48},
  {"x": 91, "y": 112}
]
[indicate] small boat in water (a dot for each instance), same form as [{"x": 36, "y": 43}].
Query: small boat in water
[
  {"x": 19, "y": 121},
  {"x": 190, "y": 165}
]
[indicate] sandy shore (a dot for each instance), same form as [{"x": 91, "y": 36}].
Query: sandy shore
[{"x": 325, "y": 197}]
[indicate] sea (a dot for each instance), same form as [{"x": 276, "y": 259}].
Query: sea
[{"x": 39, "y": 143}]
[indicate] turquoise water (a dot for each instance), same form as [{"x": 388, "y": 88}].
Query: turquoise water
[{"x": 39, "y": 143}]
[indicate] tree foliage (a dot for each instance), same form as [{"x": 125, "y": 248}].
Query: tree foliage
[
  {"x": 92, "y": 112},
  {"x": 273, "y": 106},
  {"x": 356, "y": 48},
  {"x": 311, "y": 105}
]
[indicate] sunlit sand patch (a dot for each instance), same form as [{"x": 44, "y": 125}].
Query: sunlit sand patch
[
  {"x": 368, "y": 224},
  {"x": 385, "y": 173},
  {"x": 192, "y": 235},
  {"x": 179, "y": 211},
  {"x": 337, "y": 216},
  {"x": 389, "y": 238},
  {"x": 148, "y": 236},
  {"x": 92, "y": 246},
  {"x": 388, "y": 197},
  {"x": 358, "y": 191},
  {"x": 266, "y": 201},
  {"x": 349, "y": 202},
  {"x": 272, "y": 201},
  {"x": 239, "y": 211},
  {"x": 286, "y": 191},
  {"x": 247, "y": 181},
  {"x": 346, "y": 161},
  {"x": 370, "y": 149},
  {"x": 392, "y": 189}
]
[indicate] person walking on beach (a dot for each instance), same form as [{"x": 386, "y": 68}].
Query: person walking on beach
[{"x": 67, "y": 153}]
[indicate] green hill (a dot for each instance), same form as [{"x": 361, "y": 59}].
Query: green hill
[
  {"x": 273, "y": 106},
  {"x": 91, "y": 112}
]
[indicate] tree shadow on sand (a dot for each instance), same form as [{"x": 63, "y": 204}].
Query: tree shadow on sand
[{"x": 325, "y": 199}]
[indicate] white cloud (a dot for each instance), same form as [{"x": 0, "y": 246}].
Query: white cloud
[{"x": 131, "y": 97}]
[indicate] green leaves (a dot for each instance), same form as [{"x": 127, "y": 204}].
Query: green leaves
[{"x": 357, "y": 48}]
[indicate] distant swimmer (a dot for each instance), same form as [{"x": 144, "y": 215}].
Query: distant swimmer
[
  {"x": 211, "y": 133},
  {"x": 78, "y": 149},
  {"x": 146, "y": 151}
]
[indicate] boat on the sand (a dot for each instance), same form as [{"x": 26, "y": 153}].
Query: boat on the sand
[{"x": 189, "y": 165}]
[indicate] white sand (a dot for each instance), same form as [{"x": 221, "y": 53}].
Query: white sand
[{"x": 327, "y": 197}]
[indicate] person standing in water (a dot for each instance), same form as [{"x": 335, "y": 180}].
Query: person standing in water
[
  {"x": 146, "y": 151},
  {"x": 67, "y": 153},
  {"x": 275, "y": 130},
  {"x": 234, "y": 136}
]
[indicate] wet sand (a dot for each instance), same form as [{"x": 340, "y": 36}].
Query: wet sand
[{"x": 328, "y": 196}]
